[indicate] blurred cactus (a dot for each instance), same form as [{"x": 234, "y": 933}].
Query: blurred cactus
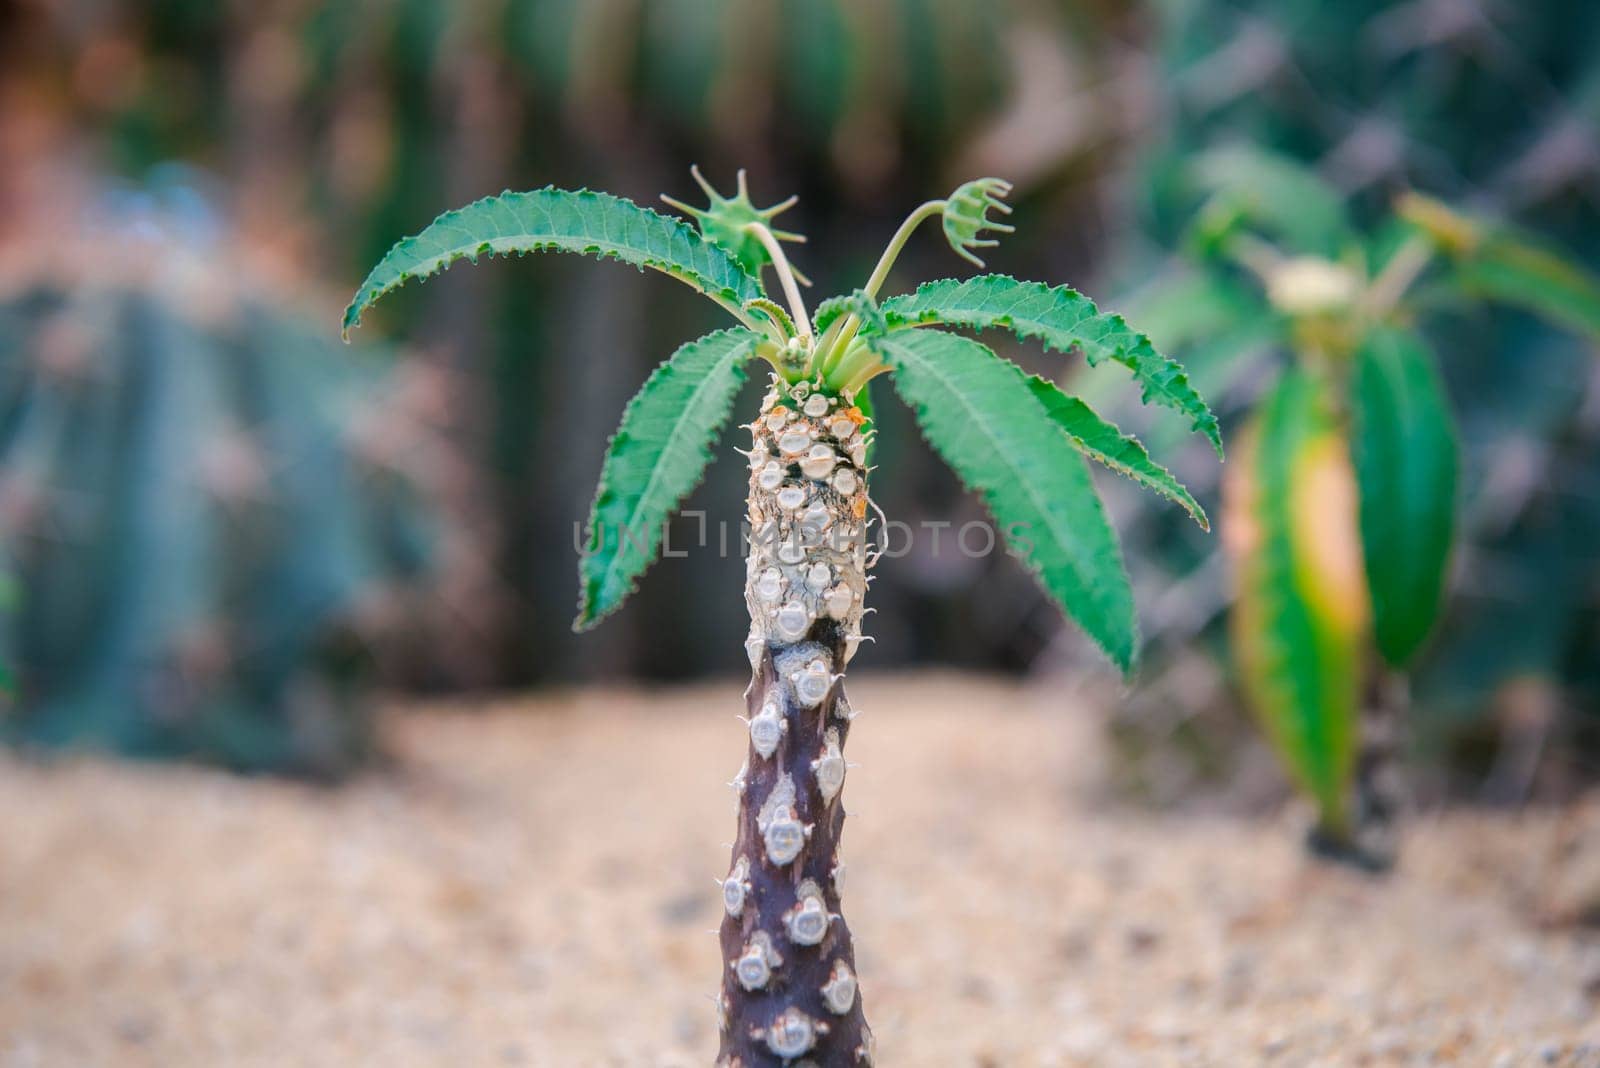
[{"x": 205, "y": 519}]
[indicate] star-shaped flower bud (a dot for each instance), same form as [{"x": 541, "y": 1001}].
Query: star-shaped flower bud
[
  {"x": 725, "y": 219},
  {"x": 966, "y": 216}
]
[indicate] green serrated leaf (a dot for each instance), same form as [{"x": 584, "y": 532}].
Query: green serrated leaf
[
  {"x": 1102, "y": 441},
  {"x": 1300, "y": 613},
  {"x": 977, "y": 411},
  {"x": 1403, "y": 444},
  {"x": 560, "y": 220},
  {"x": 829, "y": 312},
  {"x": 1062, "y": 319},
  {"x": 657, "y": 455}
]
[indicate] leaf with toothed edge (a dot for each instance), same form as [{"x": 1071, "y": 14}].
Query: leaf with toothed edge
[
  {"x": 979, "y": 414},
  {"x": 1062, "y": 319},
  {"x": 1100, "y": 440},
  {"x": 559, "y": 220},
  {"x": 656, "y": 457}
]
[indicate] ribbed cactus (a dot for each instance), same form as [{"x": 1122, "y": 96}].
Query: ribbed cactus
[
  {"x": 789, "y": 989},
  {"x": 195, "y": 529}
]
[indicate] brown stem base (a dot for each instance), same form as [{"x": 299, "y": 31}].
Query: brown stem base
[
  {"x": 789, "y": 990},
  {"x": 1373, "y": 842}
]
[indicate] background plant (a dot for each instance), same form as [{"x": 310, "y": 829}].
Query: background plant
[
  {"x": 1344, "y": 505},
  {"x": 204, "y": 526},
  {"x": 1492, "y": 112}
]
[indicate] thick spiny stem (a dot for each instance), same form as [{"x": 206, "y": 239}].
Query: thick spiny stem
[{"x": 789, "y": 989}]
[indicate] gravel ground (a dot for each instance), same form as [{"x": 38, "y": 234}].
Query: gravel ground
[{"x": 531, "y": 884}]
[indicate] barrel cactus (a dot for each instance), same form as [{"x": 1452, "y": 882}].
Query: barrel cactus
[
  {"x": 789, "y": 989},
  {"x": 194, "y": 531}
]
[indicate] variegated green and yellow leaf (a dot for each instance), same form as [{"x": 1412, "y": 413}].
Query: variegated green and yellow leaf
[
  {"x": 1519, "y": 271},
  {"x": 1300, "y": 615}
]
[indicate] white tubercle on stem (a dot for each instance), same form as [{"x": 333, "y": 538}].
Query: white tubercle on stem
[{"x": 808, "y": 507}]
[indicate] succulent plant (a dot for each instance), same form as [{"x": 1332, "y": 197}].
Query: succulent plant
[{"x": 789, "y": 990}]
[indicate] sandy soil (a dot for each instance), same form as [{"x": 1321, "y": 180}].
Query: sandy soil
[{"x": 537, "y": 890}]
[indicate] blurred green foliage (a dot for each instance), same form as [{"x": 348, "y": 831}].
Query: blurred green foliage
[{"x": 1295, "y": 130}]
